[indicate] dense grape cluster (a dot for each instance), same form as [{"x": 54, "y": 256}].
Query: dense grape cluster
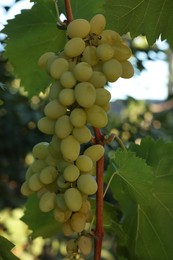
[{"x": 62, "y": 175}]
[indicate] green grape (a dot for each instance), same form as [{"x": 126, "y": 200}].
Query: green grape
[
  {"x": 74, "y": 47},
  {"x": 73, "y": 199},
  {"x": 110, "y": 37},
  {"x": 106, "y": 106},
  {"x": 68, "y": 80},
  {"x": 54, "y": 90},
  {"x": 95, "y": 152},
  {"x": 78, "y": 28},
  {"x": 40, "y": 150},
  {"x": 84, "y": 163},
  {"x": 57, "y": 67},
  {"x": 62, "y": 164},
  {"x": 98, "y": 79},
  {"x": 97, "y": 23},
  {"x": 44, "y": 58},
  {"x": 54, "y": 109},
  {"x": 87, "y": 184},
  {"x": 29, "y": 172},
  {"x": 82, "y": 71},
  {"x": 103, "y": 96},
  {"x": 38, "y": 165},
  {"x": 62, "y": 183},
  {"x": 34, "y": 182},
  {"x": 60, "y": 202},
  {"x": 86, "y": 207},
  {"x": 66, "y": 97},
  {"x": 82, "y": 134},
  {"x": 51, "y": 160},
  {"x": 85, "y": 94},
  {"x": 61, "y": 216},
  {"x": 78, "y": 221},
  {"x": 78, "y": 117},
  {"x": 25, "y": 190},
  {"x": 67, "y": 229},
  {"x": 54, "y": 153},
  {"x": 128, "y": 70},
  {"x": 46, "y": 202},
  {"x": 71, "y": 247},
  {"x": 46, "y": 125},
  {"x": 121, "y": 51},
  {"x": 112, "y": 69},
  {"x": 71, "y": 173},
  {"x": 70, "y": 148},
  {"x": 104, "y": 52},
  {"x": 56, "y": 143},
  {"x": 89, "y": 55},
  {"x": 85, "y": 245},
  {"x": 63, "y": 127},
  {"x": 48, "y": 175},
  {"x": 96, "y": 116}
]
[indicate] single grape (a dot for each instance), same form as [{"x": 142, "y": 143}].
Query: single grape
[
  {"x": 85, "y": 94},
  {"x": 68, "y": 80},
  {"x": 121, "y": 51},
  {"x": 46, "y": 202},
  {"x": 71, "y": 247},
  {"x": 110, "y": 37},
  {"x": 56, "y": 143},
  {"x": 97, "y": 23},
  {"x": 29, "y": 172},
  {"x": 54, "y": 90},
  {"x": 25, "y": 190},
  {"x": 89, "y": 55},
  {"x": 73, "y": 199},
  {"x": 67, "y": 229},
  {"x": 63, "y": 127},
  {"x": 82, "y": 134},
  {"x": 128, "y": 70},
  {"x": 85, "y": 245},
  {"x": 78, "y": 28},
  {"x": 48, "y": 175},
  {"x": 84, "y": 163},
  {"x": 70, "y": 148},
  {"x": 38, "y": 165},
  {"x": 87, "y": 184},
  {"x": 71, "y": 173},
  {"x": 54, "y": 109},
  {"x": 78, "y": 117},
  {"x": 78, "y": 221},
  {"x": 57, "y": 67},
  {"x": 46, "y": 125},
  {"x": 104, "y": 52},
  {"x": 34, "y": 183},
  {"x": 67, "y": 97},
  {"x": 86, "y": 207},
  {"x": 62, "y": 164},
  {"x": 103, "y": 96},
  {"x": 82, "y": 71},
  {"x": 62, "y": 183},
  {"x": 40, "y": 150},
  {"x": 95, "y": 152},
  {"x": 98, "y": 79},
  {"x": 74, "y": 47},
  {"x": 60, "y": 202},
  {"x": 112, "y": 69},
  {"x": 44, "y": 58},
  {"x": 96, "y": 116},
  {"x": 61, "y": 216}
]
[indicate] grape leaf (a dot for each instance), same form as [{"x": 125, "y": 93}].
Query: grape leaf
[
  {"x": 41, "y": 224},
  {"x": 30, "y": 34},
  {"x": 5, "y": 249},
  {"x": 149, "y": 17}
]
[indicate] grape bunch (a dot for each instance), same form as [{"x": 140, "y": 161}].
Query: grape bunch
[{"x": 62, "y": 175}]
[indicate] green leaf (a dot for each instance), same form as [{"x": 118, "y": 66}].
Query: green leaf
[
  {"x": 5, "y": 249},
  {"x": 30, "y": 34},
  {"x": 150, "y": 17},
  {"x": 41, "y": 224}
]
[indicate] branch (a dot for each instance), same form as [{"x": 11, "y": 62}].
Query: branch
[{"x": 68, "y": 11}]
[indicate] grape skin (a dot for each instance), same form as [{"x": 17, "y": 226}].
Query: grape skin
[
  {"x": 87, "y": 184},
  {"x": 74, "y": 47},
  {"x": 63, "y": 127},
  {"x": 85, "y": 94},
  {"x": 96, "y": 116},
  {"x": 70, "y": 148},
  {"x": 78, "y": 28},
  {"x": 73, "y": 199},
  {"x": 97, "y": 23}
]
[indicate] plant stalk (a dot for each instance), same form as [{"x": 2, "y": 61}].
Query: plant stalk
[{"x": 68, "y": 11}]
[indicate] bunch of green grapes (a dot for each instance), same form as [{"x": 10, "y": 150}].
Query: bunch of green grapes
[{"x": 61, "y": 175}]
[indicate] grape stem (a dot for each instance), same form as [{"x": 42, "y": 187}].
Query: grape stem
[
  {"x": 68, "y": 11},
  {"x": 99, "y": 231}
]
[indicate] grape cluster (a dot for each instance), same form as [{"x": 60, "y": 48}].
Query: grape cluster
[{"x": 62, "y": 175}]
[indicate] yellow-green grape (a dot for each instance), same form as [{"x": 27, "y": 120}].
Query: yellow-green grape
[
  {"x": 96, "y": 116},
  {"x": 121, "y": 51},
  {"x": 87, "y": 184},
  {"x": 53, "y": 152},
  {"x": 86, "y": 207},
  {"x": 51, "y": 160},
  {"x": 54, "y": 109},
  {"x": 89, "y": 55},
  {"x": 98, "y": 79},
  {"x": 57, "y": 67},
  {"x": 78, "y": 117},
  {"x": 103, "y": 96},
  {"x": 82, "y": 71},
  {"x": 46, "y": 125},
  {"x": 112, "y": 69},
  {"x": 44, "y": 58},
  {"x": 71, "y": 247},
  {"x": 60, "y": 202},
  {"x": 106, "y": 106},
  {"x": 25, "y": 190},
  {"x": 71, "y": 173},
  {"x": 40, "y": 150},
  {"x": 78, "y": 28},
  {"x": 62, "y": 164},
  {"x": 70, "y": 148},
  {"x": 104, "y": 52},
  {"x": 38, "y": 165},
  {"x": 109, "y": 36},
  {"x": 82, "y": 134},
  {"x": 97, "y": 23},
  {"x": 128, "y": 70},
  {"x": 74, "y": 47},
  {"x": 85, "y": 245},
  {"x": 61, "y": 216},
  {"x": 54, "y": 90},
  {"x": 56, "y": 143},
  {"x": 85, "y": 94},
  {"x": 84, "y": 163},
  {"x": 63, "y": 127},
  {"x": 66, "y": 97},
  {"x": 29, "y": 173},
  {"x": 73, "y": 199},
  {"x": 67, "y": 229},
  {"x": 78, "y": 221},
  {"x": 68, "y": 80},
  {"x": 47, "y": 201},
  {"x": 48, "y": 175},
  {"x": 95, "y": 152},
  {"x": 34, "y": 182},
  {"x": 62, "y": 183}
]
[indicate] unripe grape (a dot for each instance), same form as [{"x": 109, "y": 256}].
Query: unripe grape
[
  {"x": 73, "y": 199},
  {"x": 44, "y": 58},
  {"x": 85, "y": 94},
  {"x": 78, "y": 221},
  {"x": 85, "y": 244},
  {"x": 54, "y": 109},
  {"x": 78, "y": 117},
  {"x": 54, "y": 90},
  {"x": 78, "y": 28},
  {"x": 68, "y": 80},
  {"x": 104, "y": 52},
  {"x": 63, "y": 127},
  {"x": 74, "y": 47},
  {"x": 98, "y": 79},
  {"x": 67, "y": 229},
  {"x": 103, "y": 96},
  {"x": 67, "y": 97},
  {"x": 46, "y": 202},
  {"x": 70, "y": 148},
  {"x": 121, "y": 52},
  {"x": 34, "y": 182},
  {"x": 128, "y": 70},
  {"x": 71, "y": 247},
  {"x": 57, "y": 67},
  {"x": 87, "y": 184},
  {"x": 46, "y": 125},
  {"x": 97, "y": 23},
  {"x": 82, "y": 134},
  {"x": 82, "y": 71},
  {"x": 71, "y": 173},
  {"x": 38, "y": 165},
  {"x": 61, "y": 216},
  {"x": 60, "y": 202},
  {"x": 95, "y": 152},
  {"x": 84, "y": 163},
  {"x": 109, "y": 36},
  {"x": 96, "y": 116},
  {"x": 25, "y": 190},
  {"x": 112, "y": 69},
  {"x": 89, "y": 55},
  {"x": 40, "y": 150},
  {"x": 48, "y": 175}
]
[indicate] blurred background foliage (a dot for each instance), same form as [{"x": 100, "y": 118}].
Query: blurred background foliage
[{"x": 130, "y": 119}]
